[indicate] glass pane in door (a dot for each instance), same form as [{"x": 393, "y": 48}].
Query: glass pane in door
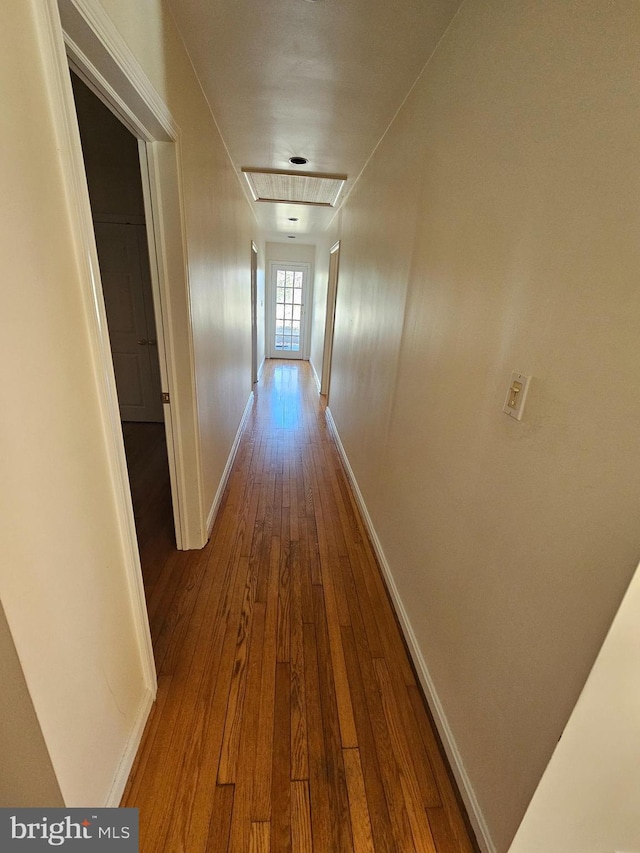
[{"x": 288, "y": 310}]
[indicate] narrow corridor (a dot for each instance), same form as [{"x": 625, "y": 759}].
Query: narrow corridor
[{"x": 288, "y": 716}]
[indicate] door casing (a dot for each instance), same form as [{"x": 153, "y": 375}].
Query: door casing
[
  {"x": 254, "y": 314},
  {"x": 330, "y": 318},
  {"x": 92, "y": 43},
  {"x": 306, "y": 309}
]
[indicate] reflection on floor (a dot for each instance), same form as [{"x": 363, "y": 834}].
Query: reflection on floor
[{"x": 288, "y": 716}]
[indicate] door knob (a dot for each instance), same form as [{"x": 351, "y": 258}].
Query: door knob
[
  {"x": 153, "y": 343},
  {"x": 143, "y": 343}
]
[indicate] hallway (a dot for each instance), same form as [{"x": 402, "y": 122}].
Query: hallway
[{"x": 288, "y": 716}]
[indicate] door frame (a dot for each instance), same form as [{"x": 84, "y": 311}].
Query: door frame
[
  {"x": 305, "y": 326},
  {"x": 96, "y": 52},
  {"x": 81, "y": 35},
  {"x": 254, "y": 314},
  {"x": 330, "y": 318}
]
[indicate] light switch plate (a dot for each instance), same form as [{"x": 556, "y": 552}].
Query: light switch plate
[{"x": 516, "y": 395}]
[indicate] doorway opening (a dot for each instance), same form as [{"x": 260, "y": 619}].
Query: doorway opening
[
  {"x": 288, "y": 318},
  {"x": 330, "y": 319},
  {"x": 254, "y": 314},
  {"x": 115, "y": 180}
]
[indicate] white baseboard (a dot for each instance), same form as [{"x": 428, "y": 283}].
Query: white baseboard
[
  {"x": 215, "y": 506},
  {"x": 315, "y": 375},
  {"x": 260, "y": 369},
  {"x": 467, "y": 793},
  {"x": 130, "y": 751}
]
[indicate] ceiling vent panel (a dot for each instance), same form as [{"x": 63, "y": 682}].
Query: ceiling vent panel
[{"x": 312, "y": 188}]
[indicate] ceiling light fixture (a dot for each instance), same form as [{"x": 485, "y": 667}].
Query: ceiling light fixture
[{"x": 298, "y": 161}]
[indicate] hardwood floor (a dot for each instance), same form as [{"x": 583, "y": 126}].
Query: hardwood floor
[{"x": 288, "y": 716}]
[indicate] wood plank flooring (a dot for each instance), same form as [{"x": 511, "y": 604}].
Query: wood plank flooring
[{"x": 288, "y": 716}]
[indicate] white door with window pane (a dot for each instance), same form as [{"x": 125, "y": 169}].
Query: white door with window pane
[{"x": 288, "y": 327}]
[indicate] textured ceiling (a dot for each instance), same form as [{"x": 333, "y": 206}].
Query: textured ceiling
[{"x": 320, "y": 79}]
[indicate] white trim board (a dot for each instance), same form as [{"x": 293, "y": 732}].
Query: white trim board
[
  {"x": 129, "y": 753},
  {"x": 315, "y": 375},
  {"x": 100, "y": 55},
  {"x": 330, "y": 319},
  {"x": 467, "y": 793},
  {"x": 215, "y": 506}
]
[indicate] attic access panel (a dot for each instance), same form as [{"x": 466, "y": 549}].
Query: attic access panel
[{"x": 314, "y": 188}]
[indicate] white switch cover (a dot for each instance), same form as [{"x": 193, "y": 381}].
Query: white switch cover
[{"x": 516, "y": 395}]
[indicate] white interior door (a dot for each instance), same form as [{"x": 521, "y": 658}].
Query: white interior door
[
  {"x": 126, "y": 283},
  {"x": 288, "y": 326}
]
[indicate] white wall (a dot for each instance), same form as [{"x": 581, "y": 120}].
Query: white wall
[
  {"x": 26, "y": 774},
  {"x": 64, "y": 583},
  {"x": 494, "y": 230},
  {"x": 587, "y": 800},
  {"x": 292, "y": 253}
]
